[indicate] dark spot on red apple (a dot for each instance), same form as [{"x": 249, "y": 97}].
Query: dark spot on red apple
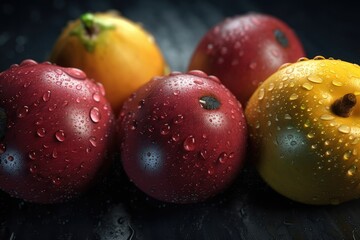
[
  {"x": 281, "y": 38},
  {"x": 2, "y": 123},
  {"x": 209, "y": 103}
]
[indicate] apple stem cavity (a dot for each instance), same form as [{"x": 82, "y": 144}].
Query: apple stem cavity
[
  {"x": 343, "y": 106},
  {"x": 209, "y": 103},
  {"x": 3, "y": 121}
]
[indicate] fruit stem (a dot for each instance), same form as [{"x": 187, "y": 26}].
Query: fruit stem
[
  {"x": 87, "y": 20},
  {"x": 3, "y": 120},
  {"x": 344, "y": 105}
]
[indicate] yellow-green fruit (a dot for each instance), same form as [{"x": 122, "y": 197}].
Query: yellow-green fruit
[
  {"x": 113, "y": 50},
  {"x": 304, "y": 125}
]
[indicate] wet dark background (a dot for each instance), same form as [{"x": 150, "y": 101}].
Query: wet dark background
[{"x": 115, "y": 209}]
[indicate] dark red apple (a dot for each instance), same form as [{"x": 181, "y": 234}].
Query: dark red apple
[
  {"x": 244, "y": 50},
  {"x": 182, "y": 137},
  {"x": 55, "y": 131}
]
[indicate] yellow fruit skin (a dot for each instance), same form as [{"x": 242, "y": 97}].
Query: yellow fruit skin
[
  {"x": 305, "y": 151},
  {"x": 124, "y": 57}
]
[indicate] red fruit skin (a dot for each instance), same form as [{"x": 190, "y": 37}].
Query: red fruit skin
[
  {"x": 244, "y": 50},
  {"x": 175, "y": 150},
  {"x": 57, "y": 134}
]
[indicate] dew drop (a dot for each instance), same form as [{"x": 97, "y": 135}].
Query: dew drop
[
  {"x": 352, "y": 170},
  {"x": 261, "y": 93},
  {"x": 210, "y": 171},
  {"x": 204, "y": 154},
  {"x": 189, "y": 143},
  {"x": 75, "y": 73},
  {"x": 165, "y": 129},
  {"x": 344, "y": 128},
  {"x": 315, "y": 79},
  {"x": 293, "y": 96},
  {"x": 95, "y": 115},
  {"x": 222, "y": 157},
  {"x": 253, "y": 65},
  {"x": 93, "y": 141},
  {"x": 54, "y": 153},
  {"x": 22, "y": 111},
  {"x": 287, "y": 116},
  {"x": 41, "y": 132},
  {"x": 327, "y": 117},
  {"x": 32, "y": 155},
  {"x": 337, "y": 83},
  {"x": 307, "y": 86},
  {"x": 60, "y": 135},
  {"x": 175, "y": 137},
  {"x": 96, "y": 97},
  {"x": 46, "y": 96},
  {"x": 178, "y": 119},
  {"x": 310, "y": 135},
  {"x": 347, "y": 155},
  {"x": 176, "y": 92},
  {"x": 56, "y": 181}
]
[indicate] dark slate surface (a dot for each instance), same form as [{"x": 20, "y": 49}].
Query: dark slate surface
[{"x": 115, "y": 209}]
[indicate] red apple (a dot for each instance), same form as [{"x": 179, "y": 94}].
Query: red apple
[
  {"x": 182, "y": 137},
  {"x": 55, "y": 131},
  {"x": 244, "y": 50}
]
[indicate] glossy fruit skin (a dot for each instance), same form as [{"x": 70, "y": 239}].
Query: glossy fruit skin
[
  {"x": 244, "y": 50},
  {"x": 57, "y": 133},
  {"x": 175, "y": 150},
  {"x": 124, "y": 56},
  {"x": 305, "y": 151}
]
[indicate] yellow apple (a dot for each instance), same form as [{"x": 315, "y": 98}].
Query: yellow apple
[
  {"x": 304, "y": 126},
  {"x": 113, "y": 50}
]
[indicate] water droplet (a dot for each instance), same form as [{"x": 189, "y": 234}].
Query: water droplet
[
  {"x": 347, "y": 155},
  {"x": 222, "y": 157},
  {"x": 261, "y": 93},
  {"x": 165, "y": 129},
  {"x": 176, "y": 92},
  {"x": 293, "y": 96},
  {"x": 287, "y": 116},
  {"x": 75, "y": 73},
  {"x": 310, "y": 135},
  {"x": 93, "y": 141},
  {"x": 352, "y": 170},
  {"x": 178, "y": 119},
  {"x": 41, "y": 132},
  {"x": 253, "y": 65},
  {"x": 271, "y": 86},
  {"x": 60, "y": 135},
  {"x": 337, "y": 83},
  {"x": 189, "y": 143},
  {"x": 96, "y": 97},
  {"x": 54, "y": 153},
  {"x": 198, "y": 81},
  {"x": 32, "y": 155},
  {"x": 315, "y": 79},
  {"x": 95, "y": 115},
  {"x": 307, "y": 86},
  {"x": 46, "y": 96},
  {"x": 175, "y": 137},
  {"x": 327, "y": 117},
  {"x": 204, "y": 154},
  {"x": 56, "y": 181},
  {"x": 22, "y": 111},
  {"x": 210, "y": 171},
  {"x": 344, "y": 128},
  {"x": 319, "y": 58},
  {"x": 33, "y": 169}
]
